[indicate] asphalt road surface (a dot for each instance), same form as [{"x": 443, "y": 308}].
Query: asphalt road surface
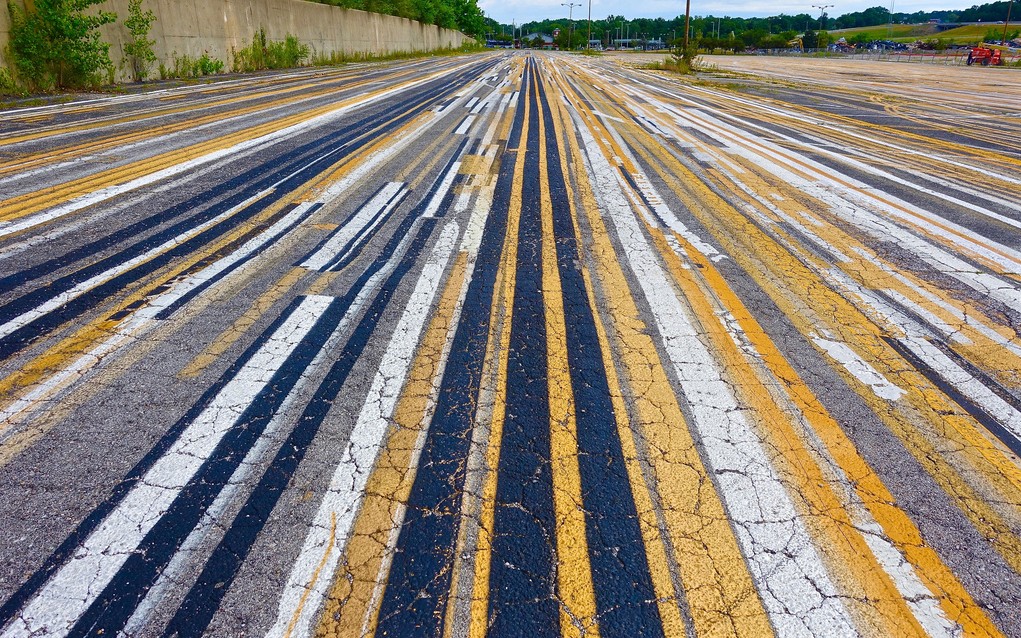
[{"x": 514, "y": 344}]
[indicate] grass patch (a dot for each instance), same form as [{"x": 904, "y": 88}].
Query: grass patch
[
  {"x": 896, "y": 32},
  {"x": 335, "y": 58},
  {"x": 186, "y": 67}
]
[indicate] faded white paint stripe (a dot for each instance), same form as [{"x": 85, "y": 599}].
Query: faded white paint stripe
[
  {"x": 860, "y": 368},
  {"x": 465, "y": 125},
  {"x": 363, "y": 221},
  {"x": 54, "y": 610},
  {"x": 310, "y": 578}
]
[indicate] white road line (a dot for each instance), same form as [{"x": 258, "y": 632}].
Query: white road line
[
  {"x": 465, "y": 125},
  {"x": 859, "y": 368},
  {"x": 371, "y": 215},
  {"x": 448, "y": 179},
  {"x": 308, "y": 584},
  {"x": 70, "y": 591},
  {"x": 796, "y": 590}
]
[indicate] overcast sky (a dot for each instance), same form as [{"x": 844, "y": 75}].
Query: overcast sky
[{"x": 506, "y": 11}]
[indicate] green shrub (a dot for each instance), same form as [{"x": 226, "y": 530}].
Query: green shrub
[
  {"x": 55, "y": 43},
  {"x": 7, "y": 84}
]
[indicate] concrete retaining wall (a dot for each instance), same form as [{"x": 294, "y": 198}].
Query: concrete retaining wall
[{"x": 217, "y": 26}]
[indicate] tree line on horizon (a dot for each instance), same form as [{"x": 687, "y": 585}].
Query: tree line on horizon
[
  {"x": 725, "y": 27},
  {"x": 462, "y": 15}
]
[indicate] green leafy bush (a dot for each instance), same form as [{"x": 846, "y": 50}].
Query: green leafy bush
[
  {"x": 7, "y": 84},
  {"x": 55, "y": 43}
]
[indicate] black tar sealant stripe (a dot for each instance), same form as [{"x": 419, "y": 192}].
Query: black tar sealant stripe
[
  {"x": 523, "y": 569},
  {"x": 420, "y": 575},
  {"x": 625, "y": 598}
]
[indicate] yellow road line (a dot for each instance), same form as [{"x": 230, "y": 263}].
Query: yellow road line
[{"x": 667, "y": 598}]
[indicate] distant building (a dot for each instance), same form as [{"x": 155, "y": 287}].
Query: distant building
[{"x": 547, "y": 40}]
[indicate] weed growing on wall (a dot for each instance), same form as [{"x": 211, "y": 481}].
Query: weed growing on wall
[
  {"x": 263, "y": 54},
  {"x": 56, "y": 43},
  {"x": 186, "y": 67},
  {"x": 7, "y": 84},
  {"x": 139, "y": 49}
]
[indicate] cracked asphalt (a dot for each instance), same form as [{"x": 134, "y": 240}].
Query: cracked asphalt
[{"x": 515, "y": 344}]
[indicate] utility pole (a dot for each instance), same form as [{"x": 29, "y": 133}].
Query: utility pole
[
  {"x": 687, "y": 21},
  {"x": 1006, "y": 23},
  {"x": 570, "y": 23}
]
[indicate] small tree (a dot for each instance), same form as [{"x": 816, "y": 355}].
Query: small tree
[
  {"x": 139, "y": 49},
  {"x": 55, "y": 43}
]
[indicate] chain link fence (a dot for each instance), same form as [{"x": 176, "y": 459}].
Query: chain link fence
[{"x": 957, "y": 57}]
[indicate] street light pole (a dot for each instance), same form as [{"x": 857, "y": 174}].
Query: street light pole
[
  {"x": 570, "y": 22},
  {"x": 822, "y": 11}
]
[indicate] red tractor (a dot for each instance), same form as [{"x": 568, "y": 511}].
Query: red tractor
[{"x": 985, "y": 56}]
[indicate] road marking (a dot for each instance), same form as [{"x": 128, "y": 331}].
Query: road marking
[
  {"x": 465, "y": 125},
  {"x": 790, "y": 574},
  {"x": 354, "y": 232},
  {"x": 859, "y": 368},
  {"x": 307, "y": 588},
  {"x": 78, "y": 583}
]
